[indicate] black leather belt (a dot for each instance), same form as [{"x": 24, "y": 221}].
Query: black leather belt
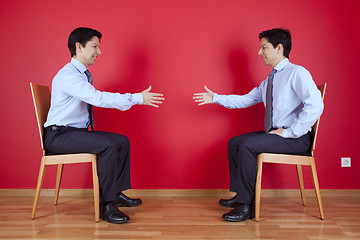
[
  {"x": 57, "y": 128},
  {"x": 53, "y": 128}
]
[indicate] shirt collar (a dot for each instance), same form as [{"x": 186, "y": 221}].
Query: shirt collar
[
  {"x": 282, "y": 64},
  {"x": 78, "y": 65}
]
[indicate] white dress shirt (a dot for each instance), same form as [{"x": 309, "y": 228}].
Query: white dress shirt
[
  {"x": 297, "y": 102},
  {"x": 71, "y": 93}
]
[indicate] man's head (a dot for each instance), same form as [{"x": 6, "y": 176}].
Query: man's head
[
  {"x": 278, "y": 36},
  {"x": 275, "y": 45},
  {"x": 84, "y": 45}
]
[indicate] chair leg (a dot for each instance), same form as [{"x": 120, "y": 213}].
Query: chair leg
[
  {"x": 258, "y": 189},
  {"x": 58, "y": 182},
  {"x": 317, "y": 189},
  {"x": 96, "y": 188},
  {"x": 301, "y": 183},
  {"x": 38, "y": 186}
]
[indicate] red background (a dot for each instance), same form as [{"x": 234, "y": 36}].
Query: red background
[{"x": 178, "y": 47}]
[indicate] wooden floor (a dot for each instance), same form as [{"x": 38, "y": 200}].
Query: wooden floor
[{"x": 180, "y": 218}]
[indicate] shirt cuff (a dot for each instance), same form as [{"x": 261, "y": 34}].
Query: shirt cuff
[
  {"x": 215, "y": 98},
  {"x": 285, "y": 133},
  {"x": 137, "y": 98},
  {"x": 288, "y": 133}
]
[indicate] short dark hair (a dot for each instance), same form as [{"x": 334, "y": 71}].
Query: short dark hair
[
  {"x": 81, "y": 35},
  {"x": 276, "y": 36}
]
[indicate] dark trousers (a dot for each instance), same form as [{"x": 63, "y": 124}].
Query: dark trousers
[
  {"x": 243, "y": 151},
  {"x": 112, "y": 150}
]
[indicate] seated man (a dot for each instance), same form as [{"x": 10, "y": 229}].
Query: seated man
[
  {"x": 70, "y": 116},
  {"x": 292, "y": 105}
]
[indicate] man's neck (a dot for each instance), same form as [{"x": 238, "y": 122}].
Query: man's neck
[
  {"x": 77, "y": 58},
  {"x": 274, "y": 65}
]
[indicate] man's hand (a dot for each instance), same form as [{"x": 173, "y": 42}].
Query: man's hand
[
  {"x": 204, "y": 97},
  {"x": 278, "y": 131},
  {"x": 151, "y": 99}
]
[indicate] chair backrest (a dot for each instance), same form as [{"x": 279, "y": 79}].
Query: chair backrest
[
  {"x": 315, "y": 127},
  {"x": 41, "y": 98}
]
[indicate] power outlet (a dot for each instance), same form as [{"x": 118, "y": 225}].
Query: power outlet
[{"x": 345, "y": 162}]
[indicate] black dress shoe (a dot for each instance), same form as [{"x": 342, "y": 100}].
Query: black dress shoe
[
  {"x": 112, "y": 214},
  {"x": 125, "y": 201},
  {"x": 240, "y": 213},
  {"x": 228, "y": 202}
]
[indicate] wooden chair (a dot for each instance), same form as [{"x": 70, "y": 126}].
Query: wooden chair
[
  {"x": 297, "y": 160},
  {"x": 41, "y": 98}
]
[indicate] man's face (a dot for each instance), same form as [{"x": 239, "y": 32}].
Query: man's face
[
  {"x": 270, "y": 55},
  {"x": 88, "y": 54}
]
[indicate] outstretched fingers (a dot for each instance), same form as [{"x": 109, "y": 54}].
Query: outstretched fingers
[
  {"x": 152, "y": 99},
  {"x": 204, "y": 97}
]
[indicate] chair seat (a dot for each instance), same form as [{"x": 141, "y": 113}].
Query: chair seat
[
  {"x": 285, "y": 158},
  {"x": 68, "y": 158}
]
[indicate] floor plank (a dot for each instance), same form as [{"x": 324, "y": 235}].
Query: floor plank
[{"x": 180, "y": 218}]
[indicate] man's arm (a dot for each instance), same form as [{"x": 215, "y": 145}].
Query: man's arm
[
  {"x": 78, "y": 88},
  {"x": 313, "y": 105},
  {"x": 229, "y": 101}
]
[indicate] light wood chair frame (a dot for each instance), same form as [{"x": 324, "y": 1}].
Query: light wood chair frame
[
  {"x": 297, "y": 160},
  {"x": 41, "y": 99}
]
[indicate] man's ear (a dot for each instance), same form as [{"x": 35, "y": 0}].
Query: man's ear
[
  {"x": 280, "y": 49},
  {"x": 78, "y": 47}
]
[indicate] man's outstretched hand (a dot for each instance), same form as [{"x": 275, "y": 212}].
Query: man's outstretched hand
[
  {"x": 204, "y": 97},
  {"x": 152, "y": 99}
]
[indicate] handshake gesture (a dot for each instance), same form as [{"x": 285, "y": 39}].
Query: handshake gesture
[{"x": 154, "y": 99}]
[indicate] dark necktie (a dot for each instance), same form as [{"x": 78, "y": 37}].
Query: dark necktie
[
  {"x": 90, "y": 107},
  {"x": 269, "y": 102}
]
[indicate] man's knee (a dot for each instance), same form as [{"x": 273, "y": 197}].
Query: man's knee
[
  {"x": 126, "y": 140},
  {"x": 239, "y": 142},
  {"x": 122, "y": 141},
  {"x": 233, "y": 142}
]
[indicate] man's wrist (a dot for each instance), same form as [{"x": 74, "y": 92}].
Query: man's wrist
[
  {"x": 137, "y": 98},
  {"x": 215, "y": 98}
]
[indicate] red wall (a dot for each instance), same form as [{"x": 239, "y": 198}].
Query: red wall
[{"x": 177, "y": 47}]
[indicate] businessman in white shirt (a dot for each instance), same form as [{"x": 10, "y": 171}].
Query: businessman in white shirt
[
  {"x": 70, "y": 118},
  {"x": 293, "y": 104}
]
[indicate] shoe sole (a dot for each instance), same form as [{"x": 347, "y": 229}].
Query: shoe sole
[
  {"x": 235, "y": 220},
  {"x": 127, "y": 205},
  {"x": 116, "y": 222}
]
